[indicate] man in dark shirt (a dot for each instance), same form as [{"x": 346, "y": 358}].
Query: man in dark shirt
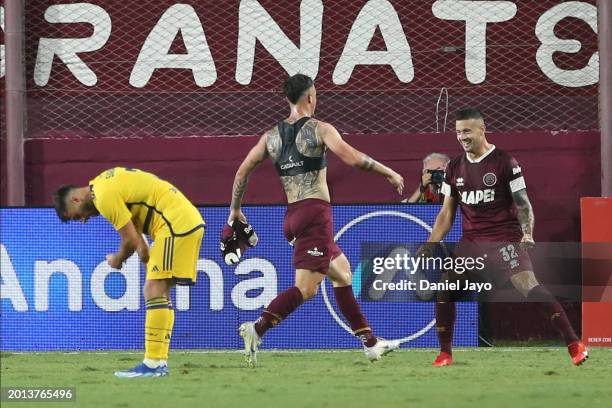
[{"x": 488, "y": 184}]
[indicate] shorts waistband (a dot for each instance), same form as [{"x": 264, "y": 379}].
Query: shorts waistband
[{"x": 308, "y": 202}]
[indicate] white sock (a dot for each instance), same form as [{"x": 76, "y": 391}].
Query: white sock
[{"x": 151, "y": 363}]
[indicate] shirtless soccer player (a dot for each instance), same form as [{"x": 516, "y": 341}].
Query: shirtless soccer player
[
  {"x": 297, "y": 146},
  {"x": 497, "y": 224},
  {"x": 136, "y": 203}
]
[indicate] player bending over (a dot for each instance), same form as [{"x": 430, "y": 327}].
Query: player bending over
[
  {"x": 137, "y": 203},
  {"x": 497, "y": 220},
  {"x": 297, "y": 146}
]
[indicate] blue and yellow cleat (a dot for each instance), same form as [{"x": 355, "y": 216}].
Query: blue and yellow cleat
[{"x": 142, "y": 370}]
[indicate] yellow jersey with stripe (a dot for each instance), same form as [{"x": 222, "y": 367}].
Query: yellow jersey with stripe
[{"x": 154, "y": 206}]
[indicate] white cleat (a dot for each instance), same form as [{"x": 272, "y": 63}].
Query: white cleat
[
  {"x": 381, "y": 348},
  {"x": 251, "y": 342}
]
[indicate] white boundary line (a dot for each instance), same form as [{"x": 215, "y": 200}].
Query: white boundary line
[{"x": 523, "y": 349}]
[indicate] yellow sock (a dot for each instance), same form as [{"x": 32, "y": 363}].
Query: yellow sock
[{"x": 158, "y": 328}]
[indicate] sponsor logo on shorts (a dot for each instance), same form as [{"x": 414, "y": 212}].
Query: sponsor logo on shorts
[
  {"x": 315, "y": 252},
  {"x": 489, "y": 179},
  {"x": 155, "y": 269}
]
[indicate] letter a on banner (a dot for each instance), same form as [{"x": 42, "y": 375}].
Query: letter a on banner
[
  {"x": 381, "y": 14},
  {"x": 180, "y": 18}
]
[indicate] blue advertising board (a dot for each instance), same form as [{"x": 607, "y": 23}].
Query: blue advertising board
[{"x": 58, "y": 293}]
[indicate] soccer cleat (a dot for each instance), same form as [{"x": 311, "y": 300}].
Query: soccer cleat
[
  {"x": 142, "y": 370},
  {"x": 443, "y": 359},
  {"x": 579, "y": 352},
  {"x": 381, "y": 348},
  {"x": 251, "y": 342}
]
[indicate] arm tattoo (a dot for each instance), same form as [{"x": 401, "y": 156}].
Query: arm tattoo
[
  {"x": 274, "y": 144},
  {"x": 238, "y": 191},
  {"x": 242, "y": 177},
  {"x": 367, "y": 163},
  {"x": 525, "y": 211}
]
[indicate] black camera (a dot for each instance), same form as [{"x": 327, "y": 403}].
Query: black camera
[{"x": 437, "y": 176}]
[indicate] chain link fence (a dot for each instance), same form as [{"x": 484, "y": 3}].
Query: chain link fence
[{"x": 124, "y": 68}]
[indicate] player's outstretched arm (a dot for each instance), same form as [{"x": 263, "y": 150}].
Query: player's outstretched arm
[
  {"x": 253, "y": 159},
  {"x": 525, "y": 216},
  {"x": 444, "y": 220},
  {"x": 353, "y": 157},
  {"x": 131, "y": 241},
  {"x": 443, "y": 224}
]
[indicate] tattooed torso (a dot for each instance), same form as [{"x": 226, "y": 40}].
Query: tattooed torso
[{"x": 312, "y": 184}]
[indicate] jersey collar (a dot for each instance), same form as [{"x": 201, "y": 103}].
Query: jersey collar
[{"x": 481, "y": 158}]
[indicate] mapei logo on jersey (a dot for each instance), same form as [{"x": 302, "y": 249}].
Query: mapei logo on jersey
[
  {"x": 489, "y": 179},
  {"x": 459, "y": 182},
  {"x": 291, "y": 164},
  {"x": 478, "y": 196},
  {"x": 516, "y": 170},
  {"x": 314, "y": 252}
]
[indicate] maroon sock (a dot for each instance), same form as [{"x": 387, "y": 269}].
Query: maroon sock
[
  {"x": 554, "y": 311},
  {"x": 345, "y": 299},
  {"x": 445, "y": 325},
  {"x": 279, "y": 309}
]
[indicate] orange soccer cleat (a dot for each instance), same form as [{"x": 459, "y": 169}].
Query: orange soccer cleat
[
  {"x": 443, "y": 359},
  {"x": 579, "y": 352}
]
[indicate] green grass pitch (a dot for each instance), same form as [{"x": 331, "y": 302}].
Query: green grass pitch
[{"x": 498, "y": 377}]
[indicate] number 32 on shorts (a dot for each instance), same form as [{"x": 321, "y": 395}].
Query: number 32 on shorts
[{"x": 508, "y": 252}]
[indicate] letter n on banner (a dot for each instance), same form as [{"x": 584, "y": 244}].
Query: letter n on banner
[{"x": 596, "y": 215}]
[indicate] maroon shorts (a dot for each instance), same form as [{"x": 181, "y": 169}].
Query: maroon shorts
[
  {"x": 309, "y": 229},
  {"x": 501, "y": 260}
]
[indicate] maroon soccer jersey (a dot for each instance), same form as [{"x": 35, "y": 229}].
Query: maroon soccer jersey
[{"x": 484, "y": 189}]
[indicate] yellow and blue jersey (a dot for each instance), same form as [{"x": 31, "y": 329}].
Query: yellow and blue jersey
[{"x": 154, "y": 206}]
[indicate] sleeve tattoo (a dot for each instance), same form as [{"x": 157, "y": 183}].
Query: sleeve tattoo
[
  {"x": 525, "y": 211},
  {"x": 253, "y": 160},
  {"x": 240, "y": 184},
  {"x": 367, "y": 163}
]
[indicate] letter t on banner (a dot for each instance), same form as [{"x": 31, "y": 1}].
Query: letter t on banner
[{"x": 476, "y": 15}]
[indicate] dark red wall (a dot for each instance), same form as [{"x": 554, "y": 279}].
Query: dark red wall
[
  {"x": 559, "y": 168},
  {"x": 3, "y": 179}
]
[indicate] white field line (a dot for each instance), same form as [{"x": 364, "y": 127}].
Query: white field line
[{"x": 406, "y": 350}]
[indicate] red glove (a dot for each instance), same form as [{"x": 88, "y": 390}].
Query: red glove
[
  {"x": 235, "y": 240},
  {"x": 245, "y": 234}
]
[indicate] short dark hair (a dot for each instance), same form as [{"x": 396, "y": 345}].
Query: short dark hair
[
  {"x": 59, "y": 200},
  {"x": 469, "y": 113},
  {"x": 295, "y": 86}
]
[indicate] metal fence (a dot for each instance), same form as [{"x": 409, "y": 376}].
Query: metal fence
[{"x": 124, "y": 68}]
